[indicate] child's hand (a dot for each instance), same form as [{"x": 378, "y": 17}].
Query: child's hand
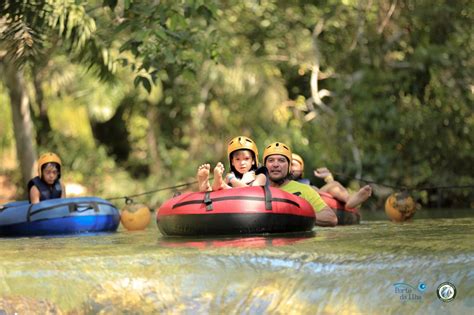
[
  {"x": 229, "y": 177},
  {"x": 248, "y": 177}
]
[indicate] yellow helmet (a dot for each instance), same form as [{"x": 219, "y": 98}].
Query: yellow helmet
[
  {"x": 278, "y": 148},
  {"x": 46, "y": 158},
  {"x": 242, "y": 143},
  {"x": 299, "y": 159}
]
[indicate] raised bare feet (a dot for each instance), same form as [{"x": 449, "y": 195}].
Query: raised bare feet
[
  {"x": 218, "y": 182},
  {"x": 203, "y": 177},
  {"x": 359, "y": 197}
]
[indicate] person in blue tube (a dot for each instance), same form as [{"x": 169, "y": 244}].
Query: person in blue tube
[{"x": 47, "y": 184}]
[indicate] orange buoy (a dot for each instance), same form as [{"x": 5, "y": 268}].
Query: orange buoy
[
  {"x": 400, "y": 207},
  {"x": 135, "y": 217}
]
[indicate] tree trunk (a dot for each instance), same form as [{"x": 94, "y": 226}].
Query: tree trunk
[
  {"x": 152, "y": 137},
  {"x": 317, "y": 96},
  {"x": 22, "y": 123},
  {"x": 43, "y": 126}
]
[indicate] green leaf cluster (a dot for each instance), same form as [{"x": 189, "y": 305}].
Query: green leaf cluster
[{"x": 380, "y": 90}]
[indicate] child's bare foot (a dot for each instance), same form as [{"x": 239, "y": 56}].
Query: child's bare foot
[
  {"x": 359, "y": 197},
  {"x": 218, "y": 182},
  {"x": 203, "y": 177}
]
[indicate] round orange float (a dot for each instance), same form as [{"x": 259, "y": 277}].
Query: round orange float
[
  {"x": 135, "y": 217},
  {"x": 400, "y": 207}
]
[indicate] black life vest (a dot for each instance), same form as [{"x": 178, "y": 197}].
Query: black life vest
[{"x": 46, "y": 191}]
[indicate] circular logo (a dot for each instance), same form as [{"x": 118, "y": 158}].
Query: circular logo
[
  {"x": 421, "y": 287},
  {"x": 446, "y": 292}
]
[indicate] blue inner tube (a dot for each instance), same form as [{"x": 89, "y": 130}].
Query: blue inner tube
[{"x": 58, "y": 216}]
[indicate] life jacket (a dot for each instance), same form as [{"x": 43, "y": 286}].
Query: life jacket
[{"x": 46, "y": 191}]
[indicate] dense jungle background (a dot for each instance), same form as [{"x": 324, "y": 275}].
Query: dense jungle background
[{"x": 134, "y": 95}]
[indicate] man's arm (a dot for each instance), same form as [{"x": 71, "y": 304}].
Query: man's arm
[{"x": 326, "y": 217}]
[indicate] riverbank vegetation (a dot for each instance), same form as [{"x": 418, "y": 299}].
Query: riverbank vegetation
[{"x": 134, "y": 95}]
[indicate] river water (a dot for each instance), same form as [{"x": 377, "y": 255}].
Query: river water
[{"x": 377, "y": 267}]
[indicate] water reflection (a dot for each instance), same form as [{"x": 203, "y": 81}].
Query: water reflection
[
  {"x": 242, "y": 242},
  {"x": 348, "y": 269}
]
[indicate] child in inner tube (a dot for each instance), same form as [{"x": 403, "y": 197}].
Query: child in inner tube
[
  {"x": 244, "y": 171},
  {"x": 47, "y": 185}
]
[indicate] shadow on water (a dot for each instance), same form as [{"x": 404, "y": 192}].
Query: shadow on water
[{"x": 377, "y": 267}]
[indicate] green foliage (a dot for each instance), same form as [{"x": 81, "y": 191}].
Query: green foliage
[
  {"x": 6, "y": 129},
  {"x": 174, "y": 36},
  {"x": 18, "y": 37},
  {"x": 30, "y": 30},
  {"x": 394, "y": 83}
]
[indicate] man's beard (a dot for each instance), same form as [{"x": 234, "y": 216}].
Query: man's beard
[{"x": 280, "y": 181}]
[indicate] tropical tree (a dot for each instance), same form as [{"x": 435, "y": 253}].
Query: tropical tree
[
  {"x": 28, "y": 33},
  {"x": 161, "y": 36},
  {"x": 367, "y": 84},
  {"x": 379, "y": 90}
]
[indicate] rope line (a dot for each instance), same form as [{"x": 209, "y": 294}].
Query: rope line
[
  {"x": 129, "y": 197},
  {"x": 405, "y": 187}
]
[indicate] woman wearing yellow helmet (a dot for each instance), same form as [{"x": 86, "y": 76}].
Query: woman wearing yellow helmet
[
  {"x": 243, "y": 160},
  {"x": 47, "y": 184}
]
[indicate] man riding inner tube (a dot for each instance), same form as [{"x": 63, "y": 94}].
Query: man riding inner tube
[{"x": 277, "y": 159}]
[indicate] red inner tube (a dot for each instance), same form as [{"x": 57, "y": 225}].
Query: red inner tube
[
  {"x": 236, "y": 200},
  {"x": 237, "y": 211},
  {"x": 335, "y": 204}
]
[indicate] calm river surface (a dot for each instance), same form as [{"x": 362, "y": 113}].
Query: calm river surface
[{"x": 377, "y": 267}]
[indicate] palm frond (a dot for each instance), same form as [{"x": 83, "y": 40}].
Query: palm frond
[
  {"x": 26, "y": 27},
  {"x": 20, "y": 30}
]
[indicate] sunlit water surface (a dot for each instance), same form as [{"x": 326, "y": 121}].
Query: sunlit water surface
[{"x": 373, "y": 268}]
